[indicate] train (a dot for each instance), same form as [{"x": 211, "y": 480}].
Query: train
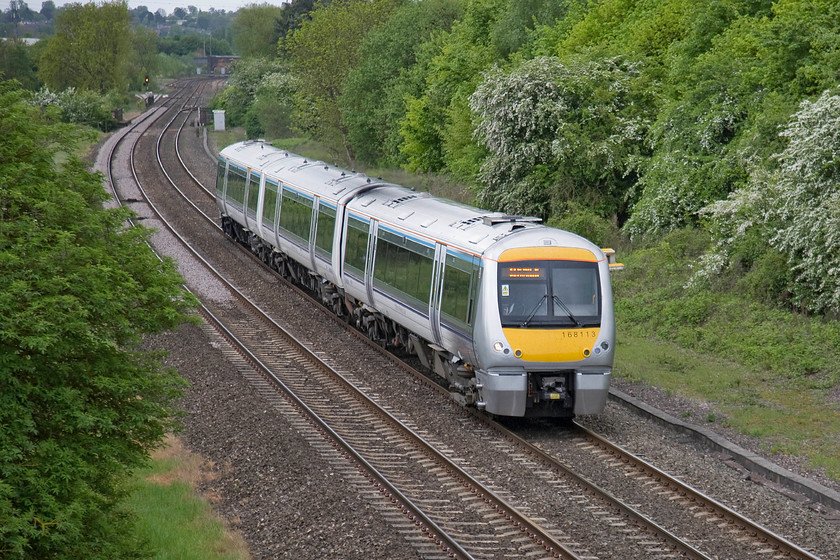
[{"x": 515, "y": 317}]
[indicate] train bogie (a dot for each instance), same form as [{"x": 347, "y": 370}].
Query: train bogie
[{"x": 515, "y": 316}]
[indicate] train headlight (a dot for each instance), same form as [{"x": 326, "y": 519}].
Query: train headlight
[{"x": 498, "y": 346}]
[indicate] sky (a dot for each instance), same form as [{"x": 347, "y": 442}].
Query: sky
[{"x": 167, "y": 5}]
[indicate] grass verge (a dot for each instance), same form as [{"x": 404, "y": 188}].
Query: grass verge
[
  {"x": 771, "y": 373},
  {"x": 176, "y": 523}
]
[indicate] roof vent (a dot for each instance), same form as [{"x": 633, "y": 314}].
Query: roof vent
[
  {"x": 397, "y": 201},
  {"x": 465, "y": 224},
  {"x": 505, "y": 219}
]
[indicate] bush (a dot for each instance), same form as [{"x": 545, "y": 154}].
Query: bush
[
  {"x": 587, "y": 223},
  {"x": 79, "y": 107},
  {"x": 793, "y": 208},
  {"x": 558, "y": 132}
]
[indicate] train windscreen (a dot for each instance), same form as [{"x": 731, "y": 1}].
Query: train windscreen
[{"x": 549, "y": 294}]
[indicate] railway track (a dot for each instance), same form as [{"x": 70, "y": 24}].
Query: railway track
[
  {"x": 483, "y": 529},
  {"x": 353, "y": 422}
]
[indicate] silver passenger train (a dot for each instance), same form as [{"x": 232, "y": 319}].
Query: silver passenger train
[{"x": 517, "y": 317}]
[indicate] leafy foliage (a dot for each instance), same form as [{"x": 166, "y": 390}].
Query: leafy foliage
[
  {"x": 255, "y": 30},
  {"x": 247, "y": 75},
  {"x": 437, "y": 129},
  {"x": 734, "y": 79},
  {"x": 78, "y": 107},
  {"x": 557, "y": 133},
  {"x": 795, "y": 208},
  {"x": 293, "y": 14},
  {"x": 79, "y": 405},
  {"x": 90, "y": 49},
  {"x": 322, "y": 52},
  {"x": 275, "y": 106},
  {"x": 372, "y": 103},
  {"x": 17, "y": 62}
]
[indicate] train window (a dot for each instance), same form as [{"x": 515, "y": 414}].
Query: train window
[
  {"x": 577, "y": 288},
  {"x": 296, "y": 214},
  {"x": 220, "y": 178},
  {"x": 270, "y": 203},
  {"x": 253, "y": 194},
  {"x": 549, "y": 294},
  {"x": 236, "y": 186},
  {"x": 404, "y": 265},
  {"x": 325, "y": 230},
  {"x": 355, "y": 253},
  {"x": 459, "y": 286}
]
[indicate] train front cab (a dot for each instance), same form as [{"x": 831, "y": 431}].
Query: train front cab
[{"x": 554, "y": 351}]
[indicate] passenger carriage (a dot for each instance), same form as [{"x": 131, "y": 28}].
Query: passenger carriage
[{"x": 516, "y": 316}]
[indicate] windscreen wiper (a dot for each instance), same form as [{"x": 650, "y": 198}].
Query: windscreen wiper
[
  {"x": 559, "y": 302},
  {"x": 533, "y": 311}
]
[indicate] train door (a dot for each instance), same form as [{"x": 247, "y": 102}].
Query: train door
[
  {"x": 245, "y": 201},
  {"x": 437, "y": 283},
  {"x": 260, "y": 205},
  {"x": 313, "y": 230},
  {"x": 252, "y": 194},
  {"x": 371, "y": 253},
  {"x": 221, "y": 184}
]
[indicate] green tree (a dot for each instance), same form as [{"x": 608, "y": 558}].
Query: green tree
[
  {"x": 274, "y": 106},
  {"x": 48, "y": 9},
  {"x": 144, "y": 44},
  {"x": 373, "y": 102},
  {"x": 437, "y": 130},
  {"x": 323, "y": 51},
  {"x": 254, "y": 30},
  {"x": 16, "y": 63},
  {"x": 90, "y": 50},
  {"x": 247, "y": 75},
  {"x": 794, "y": 210},
  {"x": 293, "y": 14},
  {"x": 80, "y": 405},
  {"x": 733, "y": 79},
  {"x": 517, "y": 27}
]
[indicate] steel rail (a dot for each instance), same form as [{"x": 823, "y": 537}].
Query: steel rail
[{"x": 527, "y": 526}]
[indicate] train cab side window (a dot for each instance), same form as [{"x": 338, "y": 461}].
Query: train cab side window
[
  {"x": 355, "y": 253},
  {"x": 236, "y": 186},
  {"x": 325, "y": 230},
  {"x": 220, "y": 178},
  {"x": 296, "y": 214}
]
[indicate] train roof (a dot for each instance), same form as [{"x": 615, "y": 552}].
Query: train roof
[
  {"x": 310, "y": 176},
  {"x": 470, "y": 229}
]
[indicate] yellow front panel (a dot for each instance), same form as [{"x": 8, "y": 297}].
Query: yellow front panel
[
  {"x": 552, "y": 345},
  {"x": 547, "y": 253}
]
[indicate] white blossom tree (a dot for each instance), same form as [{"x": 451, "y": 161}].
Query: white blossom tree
[
  {"x": 795, "y": 207},
  {"x": 557, "y": 132}
]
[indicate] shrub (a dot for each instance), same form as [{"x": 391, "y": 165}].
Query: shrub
[
  {"x": 794, "y": 207},
  {"x": 79, "y": 107}
]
